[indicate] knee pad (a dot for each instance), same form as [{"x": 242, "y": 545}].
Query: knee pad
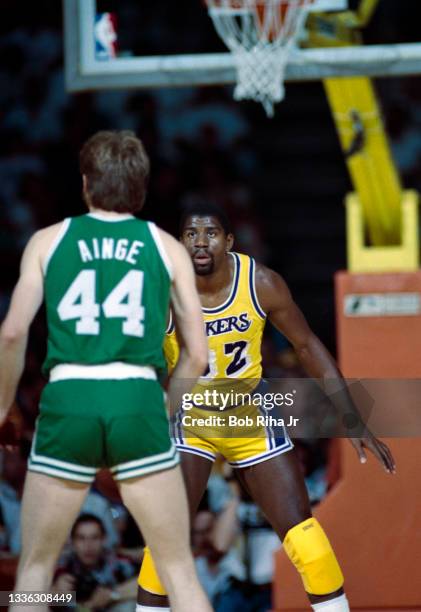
[
  {"x": 310, "y": 551},
  {"x": 148, "y": 576}
]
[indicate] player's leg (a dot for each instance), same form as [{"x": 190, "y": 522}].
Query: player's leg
[
  {"x": 159, "y": 505},
  {"x": 277, "y": 486},
  {"x": 66, "y": 450},
  {"x": 196, "y": 471},
  {"x": 49, "y": 507}
]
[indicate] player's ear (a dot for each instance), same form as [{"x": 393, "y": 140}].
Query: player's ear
[
  {"x": 229, "y": 243},
  {"x": 85, "y": 191}
]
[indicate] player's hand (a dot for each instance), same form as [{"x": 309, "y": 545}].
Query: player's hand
[{"x": 379, "y": 449}]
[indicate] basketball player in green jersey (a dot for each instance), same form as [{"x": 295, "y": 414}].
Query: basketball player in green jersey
[{"x": 107, "y": 279}]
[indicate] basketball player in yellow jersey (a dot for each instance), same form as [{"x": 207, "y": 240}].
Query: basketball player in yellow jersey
[{"x": 237, "y": 297}]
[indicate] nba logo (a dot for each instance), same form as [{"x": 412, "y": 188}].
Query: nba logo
[{"x": 105, "y": 36}]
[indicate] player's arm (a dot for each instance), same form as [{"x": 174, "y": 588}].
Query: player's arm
[
  {"x": 187, "y": 312},
  {"x": 26, "y": 300},
  {"x": 277, "y": 302},
  {"x": 281, "y": 310}
]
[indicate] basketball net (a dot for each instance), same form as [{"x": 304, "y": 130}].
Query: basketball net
[{"x": 260, "y": 34}]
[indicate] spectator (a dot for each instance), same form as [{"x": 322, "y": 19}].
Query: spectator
[
  {"x": 218, "y": 564},
  {"x": 102, "y": 579},
  {"x": 242, "y": 579},
  {"x": 11, "y": 486},
  {"x": 97, "y": 504},
  {"x": 312, "y": 457}
]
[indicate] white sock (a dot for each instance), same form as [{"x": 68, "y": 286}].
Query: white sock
[
  {"x": 140, "y": 608},
  {"x": 339, "y": 604}
]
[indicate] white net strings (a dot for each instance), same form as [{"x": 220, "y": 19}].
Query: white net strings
[{"x": 260, "y": 43}]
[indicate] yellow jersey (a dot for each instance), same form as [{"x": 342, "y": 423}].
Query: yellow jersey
[{"x": 234, "y": 331}]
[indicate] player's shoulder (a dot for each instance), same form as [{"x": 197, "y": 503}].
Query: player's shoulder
[
  {"x": 166, "y": 238},
  {"x": 44, "y": 235},
  {"x": 48, "y": 234},
  {"x": 42, "y": 240},
  {"x": 172, "y": 252},
  {"x": 50, "y": 231},
  {"x": 270, "y": 286},
  {"x": 173, "y": 246},
  {"x": 266, "y": 276}
]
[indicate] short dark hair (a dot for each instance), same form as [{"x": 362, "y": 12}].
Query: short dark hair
[
  {"x": 86, "y": 517},
  {"x": 116, "y": 166},
  {"x": 205, "y": 209}
]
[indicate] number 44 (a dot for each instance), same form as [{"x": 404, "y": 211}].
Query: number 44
[{"x": 123, "y": 302}]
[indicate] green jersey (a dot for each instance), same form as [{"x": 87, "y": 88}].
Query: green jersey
[{"x": 107, "y": 290}]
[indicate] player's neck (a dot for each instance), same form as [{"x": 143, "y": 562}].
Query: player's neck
[{"x": 220, "y": 280}]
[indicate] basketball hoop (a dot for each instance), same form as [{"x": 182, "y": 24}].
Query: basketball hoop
[{"x": 260, "y": 34}]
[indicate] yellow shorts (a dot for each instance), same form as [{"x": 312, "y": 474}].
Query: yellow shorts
[{"x": 243, "y": 435}]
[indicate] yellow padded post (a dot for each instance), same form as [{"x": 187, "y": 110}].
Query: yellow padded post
[
  {"x": 372, "y": 168},
  {"x": 397, "y": 258}
]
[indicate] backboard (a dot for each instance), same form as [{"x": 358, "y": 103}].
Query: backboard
[{"x": 85, "y": 71}]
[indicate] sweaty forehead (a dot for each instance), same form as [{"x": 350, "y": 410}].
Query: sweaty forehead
[{"x": 202, "y": 221}]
